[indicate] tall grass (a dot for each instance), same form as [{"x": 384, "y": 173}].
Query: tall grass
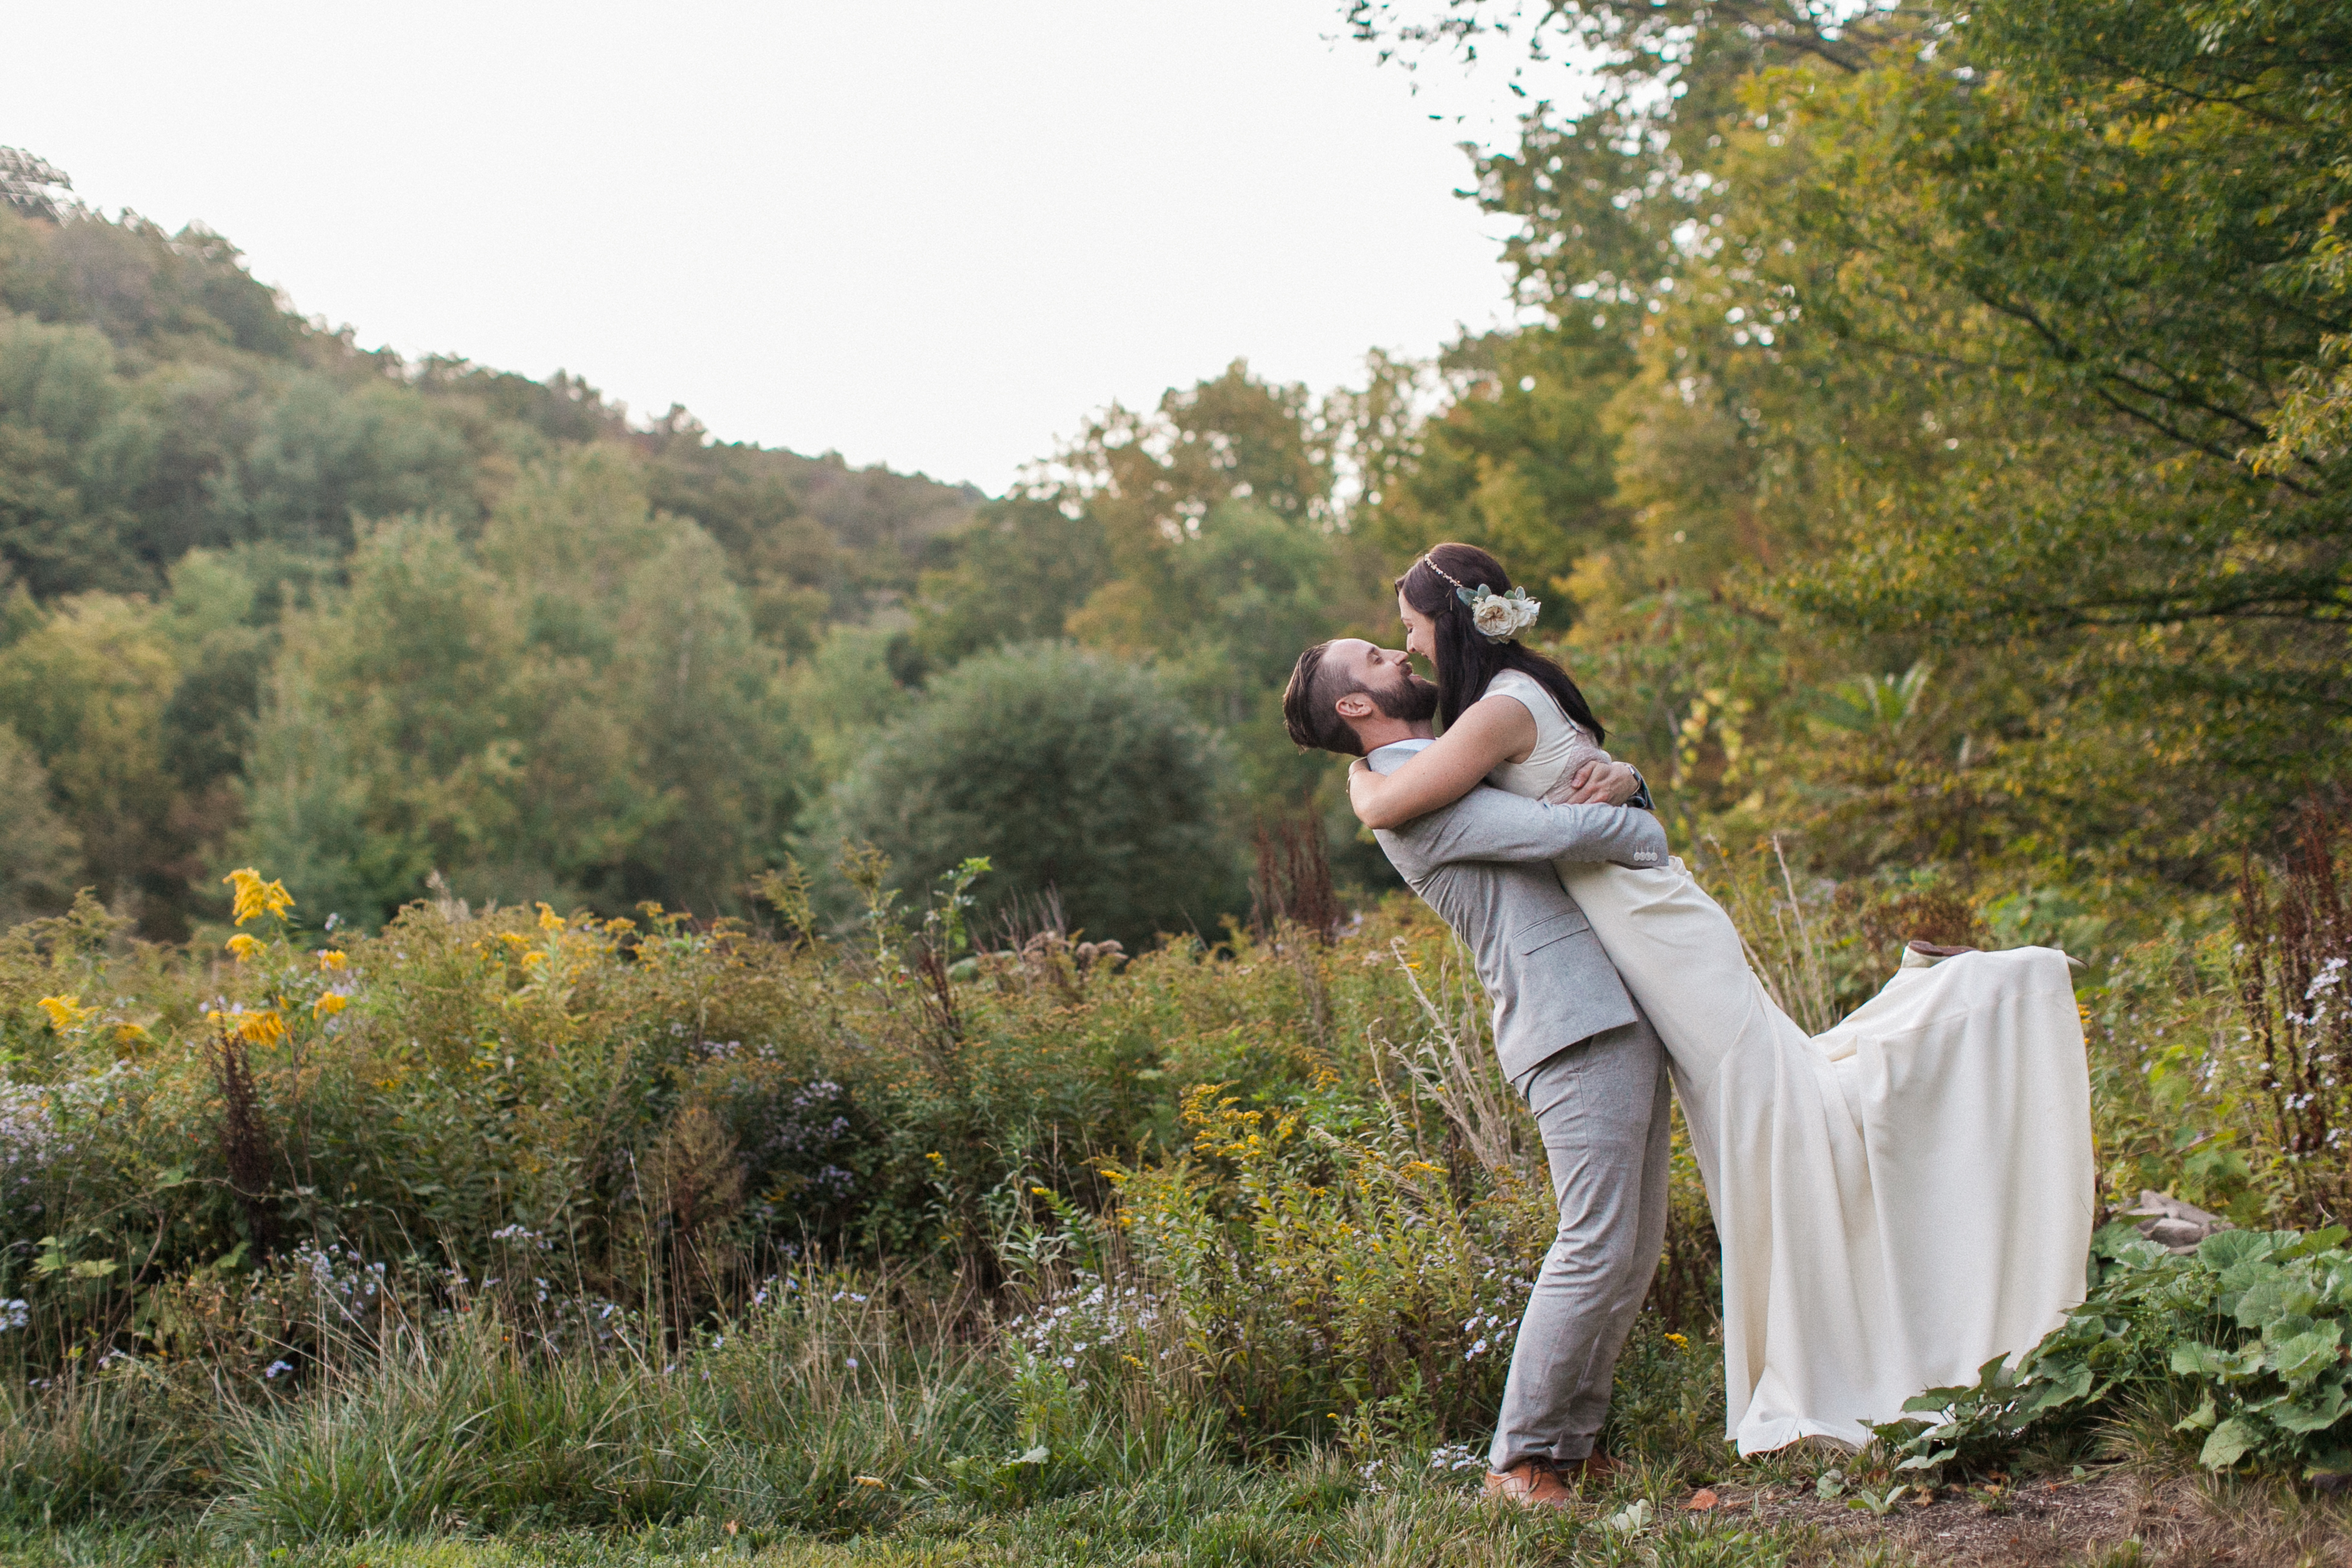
[{"x": 487, "y": 1244}]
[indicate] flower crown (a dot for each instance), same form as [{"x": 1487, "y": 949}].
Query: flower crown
[{"x": 1499, "y": 618}]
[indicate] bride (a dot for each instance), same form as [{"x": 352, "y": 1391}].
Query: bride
[{"x": 1901, "y": 1199}]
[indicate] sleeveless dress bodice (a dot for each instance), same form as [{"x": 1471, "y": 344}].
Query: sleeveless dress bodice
[{"x": 1562, "y": 745}]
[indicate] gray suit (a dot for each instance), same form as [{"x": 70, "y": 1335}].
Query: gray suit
[{"x": 1579, "y": 1051}]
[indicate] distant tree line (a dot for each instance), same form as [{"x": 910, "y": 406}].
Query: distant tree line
[{"x": 1929, "y": 444}]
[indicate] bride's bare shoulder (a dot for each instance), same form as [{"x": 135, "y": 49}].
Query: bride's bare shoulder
[{"x": 1504, "y": 719}]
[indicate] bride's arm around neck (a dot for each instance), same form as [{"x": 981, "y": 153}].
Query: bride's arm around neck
[{"x": 1494, "y": 729}]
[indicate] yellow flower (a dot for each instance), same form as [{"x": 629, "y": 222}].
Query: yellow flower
[
  {"x": 256, "y": 897},
  {"x": 264, "y": 1028},
  {"x": 128, "y": 1035},
  {"x": 65, "y": 1013},
  {"x": 328, "y": 1004},
  {"x": 1678, "y": 1341},
  {"x": 549, "y": 920},
  {"x": 333, "y": 958},
  {"x": 533, "y": 959},
  {"x": 243, "y": 946},
  {"x": 513, "y": 939}
]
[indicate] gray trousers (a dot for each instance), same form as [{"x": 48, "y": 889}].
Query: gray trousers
[{"x": 1603, "y": 1105}]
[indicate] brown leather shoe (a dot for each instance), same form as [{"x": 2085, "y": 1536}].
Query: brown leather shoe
[
  {"x": 1532, "y": 1483},
  {"x": 1598, "y": 1467}
]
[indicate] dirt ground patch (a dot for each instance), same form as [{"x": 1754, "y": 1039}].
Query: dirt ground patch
[{"x": 2110, "y": 1519}]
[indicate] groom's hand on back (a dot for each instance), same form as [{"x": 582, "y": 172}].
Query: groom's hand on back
[{"x": 1597, "y": 784}]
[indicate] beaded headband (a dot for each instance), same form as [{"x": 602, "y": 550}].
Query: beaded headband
[{"x": 1431, "y": 562}]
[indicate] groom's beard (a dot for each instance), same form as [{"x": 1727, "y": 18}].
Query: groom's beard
[{"x": 1412, "y": 699}]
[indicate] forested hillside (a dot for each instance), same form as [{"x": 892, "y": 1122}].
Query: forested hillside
[
  {"x": 1932, "y": 453},
  {"x": 272, "y": 595}
]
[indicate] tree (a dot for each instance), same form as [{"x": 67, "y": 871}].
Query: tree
[
  {"x": 2107, "y": 236},
  {"x": 86, "y": 689},
  {"x": 1072, "y": 773},
  {"x": 30, "y": 185},
  {"x": 1022, "y": 568},
  {"x": 38, "y": 853},
  {"x": 1522, "y": 461},
  {"x": 2005, "y": 332},
  {"x": 576, "y": 710},
  {"x": 62, "y": 449},
  {"x": 1208, "y": 526}
]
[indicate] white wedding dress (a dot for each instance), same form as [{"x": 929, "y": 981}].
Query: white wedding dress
[{"x": 1901, "y": 1199}]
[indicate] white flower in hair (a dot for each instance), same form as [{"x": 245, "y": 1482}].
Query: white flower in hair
[{"x": 1499, "y": 616}]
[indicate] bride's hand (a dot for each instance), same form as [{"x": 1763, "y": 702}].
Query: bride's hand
[
  {"x": 1361, "y": 781},
  {"x": 1597, "y": 784}
]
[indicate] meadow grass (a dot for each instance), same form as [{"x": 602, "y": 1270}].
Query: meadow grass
[
  {"x": 867, "y": 1425},
  {"x": 1211, "y": 1257}
]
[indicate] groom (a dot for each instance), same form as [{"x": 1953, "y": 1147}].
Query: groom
[{"x": 1573, "y": 1043}]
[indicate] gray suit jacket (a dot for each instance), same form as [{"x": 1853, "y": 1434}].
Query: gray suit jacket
[{"x": 1484, "y": 864}]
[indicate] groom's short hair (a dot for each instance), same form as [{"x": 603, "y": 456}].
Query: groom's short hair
[{"x": 1309, "y": 705}]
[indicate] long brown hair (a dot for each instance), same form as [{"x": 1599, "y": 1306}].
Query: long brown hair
[{"x": 1465, "y": 660}]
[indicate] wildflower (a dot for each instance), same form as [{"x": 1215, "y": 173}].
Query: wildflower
[
  {"x": 549, "y": 920},
  {"x": 278, "y": 1366},
  {"x": 128, "y": 1035},
  {"x": 332, "y": 958},
  {"x": 1679, "y": 1341},
  {"x": 243, "y": 946},
  {"x": 256, "y": 897},
  {"x": 67, "y": 1014},
  {"x": 328, "y": 1004},
  {"x": 263, "y": 1028}
]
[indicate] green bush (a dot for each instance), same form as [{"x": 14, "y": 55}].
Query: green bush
[
  {"x": 2250, "y": 1330},
  {"x": 1073, "y": 773}
]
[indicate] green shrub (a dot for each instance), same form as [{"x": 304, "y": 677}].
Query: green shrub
[
  {"x": 2250, "y": 1330},
  {"x": 1074, "y": 774}
]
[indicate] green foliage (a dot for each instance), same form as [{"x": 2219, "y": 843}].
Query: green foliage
[
  {"x": 37, "y": 850},
  {"x": 184, "y": 461},
  {"x": 1523, "y": 461},
  {"x": 594, "y": 1158},
  {"x": 1020, "y": 569},
  {"x": 575, "y": 707},
  {"x": 1070, "y": 773},
  {"x": 1313, "y": 1266},
  {"x": 2002, "y": 338},
  {"x": 2251, "y": 1329}
]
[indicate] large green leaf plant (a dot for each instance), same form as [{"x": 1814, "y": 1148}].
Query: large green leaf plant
[{"x": 2252, "y": 1327}]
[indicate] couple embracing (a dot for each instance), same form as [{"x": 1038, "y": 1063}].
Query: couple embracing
[{"x": 1899, "y": 1200}]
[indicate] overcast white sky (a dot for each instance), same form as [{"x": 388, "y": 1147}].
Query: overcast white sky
[{"x": 914, "y": 231}]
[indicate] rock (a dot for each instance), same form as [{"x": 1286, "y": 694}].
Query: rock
[{"x": 2172, "y": 1225}]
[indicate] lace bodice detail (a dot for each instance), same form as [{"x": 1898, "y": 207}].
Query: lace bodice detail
[{"x": 1562, "y": 745}]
